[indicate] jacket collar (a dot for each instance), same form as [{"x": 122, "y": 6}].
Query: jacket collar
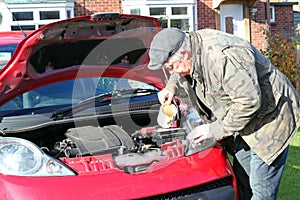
[{"x": 196, "y": 71}]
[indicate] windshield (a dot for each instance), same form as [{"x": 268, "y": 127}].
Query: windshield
[
  {"x": 66, "y": 93},
  {"x": 6, "y": 52}
]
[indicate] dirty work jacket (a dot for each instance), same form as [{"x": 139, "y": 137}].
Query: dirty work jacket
[{"x": 244, "y": 91}]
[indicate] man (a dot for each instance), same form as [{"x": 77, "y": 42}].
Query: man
[{"x": 248, "y": 105}]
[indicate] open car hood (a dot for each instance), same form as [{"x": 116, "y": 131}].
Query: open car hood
[{"x": 80, "y": 47}]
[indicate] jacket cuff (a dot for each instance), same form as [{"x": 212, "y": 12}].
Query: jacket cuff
[{"x": 217, "y": 130}]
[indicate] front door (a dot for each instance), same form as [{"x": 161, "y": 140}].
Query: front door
[{"x": 231, "y": 19}]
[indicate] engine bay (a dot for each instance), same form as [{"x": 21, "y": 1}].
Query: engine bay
[
  {"x": 112, "y": 139},
  {"x": 132, "y": 154},
  {"x": 129, "y": 141}
]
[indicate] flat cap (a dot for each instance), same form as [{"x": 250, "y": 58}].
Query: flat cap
[{"x": 164, "y": 44}]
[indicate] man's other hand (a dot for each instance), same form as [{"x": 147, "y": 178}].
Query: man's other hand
[{"x": 199, "y": 133}]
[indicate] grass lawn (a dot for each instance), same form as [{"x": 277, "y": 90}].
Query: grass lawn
[{"x": 290, "y": 182}]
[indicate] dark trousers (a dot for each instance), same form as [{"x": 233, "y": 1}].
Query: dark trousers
[{"x": 256, "y": 180}]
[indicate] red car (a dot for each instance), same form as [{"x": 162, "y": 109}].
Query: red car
[
  {"x": 8, "y": 43},
  {"x": 80, "y": 119}
]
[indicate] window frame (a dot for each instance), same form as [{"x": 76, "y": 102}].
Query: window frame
[
  {"x": 169, "y": 16},
  {"x": 15, "y": 18},
  {"x": 176, "y": 7},
  {"x": 135, "y": 11},
  {"x": 272, "y": 13},
  {"x": 65, "y": 10},
  {"x": 161, "y": 7},
  {"x": 41, "y": 12}
]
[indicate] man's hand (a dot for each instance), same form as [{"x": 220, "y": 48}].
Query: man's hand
[
  {"x": 165, "y": 96},
  {"x": 199, "y": 133}
]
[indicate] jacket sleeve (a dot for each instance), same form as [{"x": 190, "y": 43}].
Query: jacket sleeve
[
  {"x": 172, "y": 84},
  {"x": 240, "y": 83}
]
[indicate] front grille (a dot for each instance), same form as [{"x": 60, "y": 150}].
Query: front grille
[{"x": 227, "y": 181}]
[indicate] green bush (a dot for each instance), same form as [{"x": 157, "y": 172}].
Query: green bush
[{"x": 283, "y": 54}]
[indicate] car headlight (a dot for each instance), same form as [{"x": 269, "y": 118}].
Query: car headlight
[{"x": 23, "y": 158}]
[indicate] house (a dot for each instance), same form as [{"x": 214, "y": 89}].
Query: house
[{"x": 245, "y": 18}]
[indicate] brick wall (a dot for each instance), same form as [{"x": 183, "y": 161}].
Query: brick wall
[
  {"x": 88, "y": 7},
  {"x": 284, "y": 22},
  {"x": 258, "y": 25},
  {"x": 206, "y": 14}
]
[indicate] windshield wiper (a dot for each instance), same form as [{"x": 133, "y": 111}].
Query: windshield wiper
[
  {"x": 100, "y": 100},
  {"x": 83, "y": 105}
]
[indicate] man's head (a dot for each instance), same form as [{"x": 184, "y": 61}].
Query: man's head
[{"x": 164, "y": 44}]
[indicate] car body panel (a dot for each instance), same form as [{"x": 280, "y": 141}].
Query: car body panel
[{"x": 115, "y": 184}]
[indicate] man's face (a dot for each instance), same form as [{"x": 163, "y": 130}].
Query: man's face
[{"x": 178, "y": 63}]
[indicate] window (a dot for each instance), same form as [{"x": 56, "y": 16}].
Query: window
[
  {"x": 182, "y": 24},
  {"x": 179, "y": 13},
  {"x": 4, "y": 58},
  {"x": 22, "y": 16},
  {"x": 229, "y": 25},
  {"x": 172, "y": 17},
  {"x": 30, "y": 14},
  {"x": 157, "y": 11},
  {"x": 135, "y": 11},
  {"x": 163, "y": 22},
  {"x": 23, "y": 27},
  {"x": 44, "y": 15},
  {"x": 6, "y": 52},
  {"x": 72, "y": 92},
  {"x": 272, "y": 14},
  {"x": 68, "y": 14},
  {"x": 179, "y": 10}
]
